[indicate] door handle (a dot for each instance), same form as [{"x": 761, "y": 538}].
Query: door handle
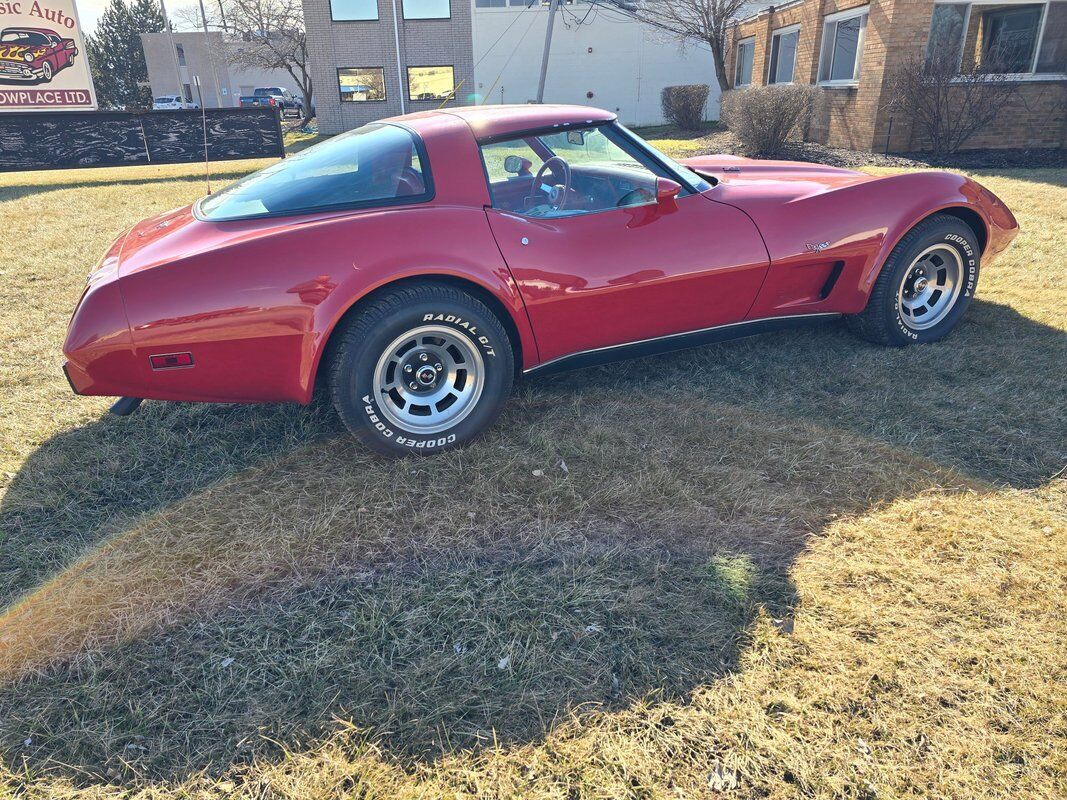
[{"x": 524, "y": 241}]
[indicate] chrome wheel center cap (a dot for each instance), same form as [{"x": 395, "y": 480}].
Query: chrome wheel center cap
[
  {"x": 426, "y": 375},
  {"x": 920, "y": 285}
]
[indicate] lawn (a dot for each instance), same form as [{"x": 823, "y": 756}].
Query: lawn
[{"x": 797, "y": 565}]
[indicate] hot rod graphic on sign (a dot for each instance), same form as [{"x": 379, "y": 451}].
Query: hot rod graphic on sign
[
  {"x": 42, "y": 66},
  {"x": 34, "y": 54}
]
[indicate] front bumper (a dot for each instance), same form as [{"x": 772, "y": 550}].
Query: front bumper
[{"x": 14, "y": 71}]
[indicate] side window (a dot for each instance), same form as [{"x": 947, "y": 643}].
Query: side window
[
  {"x": 373, "y": 165},
  {"x": 567, "y": 173}
]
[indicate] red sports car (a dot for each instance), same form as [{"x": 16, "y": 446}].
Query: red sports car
[
  {"x": 34, "y": 54},
  {"x": 416, "y": 266}
]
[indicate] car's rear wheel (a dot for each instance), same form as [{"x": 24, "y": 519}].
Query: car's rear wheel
[
  {"x": 924, "y": 287},
  {"x": 421, "y": 369}
]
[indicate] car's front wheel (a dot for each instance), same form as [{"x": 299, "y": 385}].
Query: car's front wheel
[
  {"x": 421, "y": 369},
  {"x": 924, "y": 287}
]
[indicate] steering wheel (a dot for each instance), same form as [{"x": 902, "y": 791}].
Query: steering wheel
[{"x": 557, "y": 197}]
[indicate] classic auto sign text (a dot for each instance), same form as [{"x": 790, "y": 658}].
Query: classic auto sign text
[{"x": 43, "y": 64}]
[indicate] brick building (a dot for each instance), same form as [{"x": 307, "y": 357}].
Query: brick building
[
  {"x": 376, "y": 58},
  {"x": 850, "y": 47}
]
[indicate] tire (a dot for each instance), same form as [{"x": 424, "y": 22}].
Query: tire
[
  {"x": 925, "y": 285},
  {"x": 46, "y": 72},
  {"x": 379, "y": 375}
]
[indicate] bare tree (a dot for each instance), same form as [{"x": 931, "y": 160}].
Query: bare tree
[
  {"x": 947, "y": 103},
  {"x": 264, "y": 34},
  {"x": 704, "y": 21}
]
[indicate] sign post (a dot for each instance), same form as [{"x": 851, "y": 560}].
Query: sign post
[{"x": 43, "y": 63}]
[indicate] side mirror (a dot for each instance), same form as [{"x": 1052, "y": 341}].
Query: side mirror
[
  {"x": 667, "y": 190},
  {"x": 517, "y": 165}
]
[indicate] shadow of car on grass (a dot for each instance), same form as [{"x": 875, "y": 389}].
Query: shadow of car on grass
[{"x": 613, "y": 538}]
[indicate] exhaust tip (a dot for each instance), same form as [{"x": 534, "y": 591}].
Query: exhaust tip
[{"x": 125, "y": 406}]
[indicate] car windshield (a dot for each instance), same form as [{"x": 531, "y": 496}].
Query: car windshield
[
  {"x": 690, "y": 178},
  {"x": 23, "y": 37},
  {"x": 378, "y": 164}
]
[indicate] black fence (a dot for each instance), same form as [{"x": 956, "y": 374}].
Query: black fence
[{"x": 73, "y": 139}]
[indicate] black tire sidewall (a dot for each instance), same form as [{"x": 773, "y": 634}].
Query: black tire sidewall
[
  {"x": 358, "y": 403},
  {"x": 959, "y": 237}
]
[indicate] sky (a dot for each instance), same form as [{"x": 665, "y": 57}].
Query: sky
[{"x": 89, "y": 12}]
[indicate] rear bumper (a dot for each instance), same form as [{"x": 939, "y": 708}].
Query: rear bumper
[
  {"x": 70, "y": 381},
  {"x": 99, "y": 344}
]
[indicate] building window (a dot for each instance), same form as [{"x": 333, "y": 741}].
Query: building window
[
  {"x": 842, "y": 46},
  {"x": 180, "y": 50},
  {"x": 431, "y": 83},
  {"x": 783, "y": 55},
  {"x": 506, "y": 3},
  {"x": 354, "y": 9},
  {"x": 361, "y": 84},
  {"x": 427, "y": 9},
  {"x": 1000, "y": 38},
  {"x": 746, "y": 50}
]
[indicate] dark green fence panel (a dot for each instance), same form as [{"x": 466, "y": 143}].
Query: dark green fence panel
[{"x": 70, "y": 140}]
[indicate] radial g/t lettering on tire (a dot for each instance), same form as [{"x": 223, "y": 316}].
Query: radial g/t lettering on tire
[{"x": 421, "y": 369}]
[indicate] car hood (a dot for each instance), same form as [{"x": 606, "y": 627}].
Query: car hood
[{"x": 752, "y": 182}]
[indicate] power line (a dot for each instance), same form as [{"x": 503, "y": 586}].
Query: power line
[
  {"x": 500, "y": 74},
  {"x": 488, "y": 50}
]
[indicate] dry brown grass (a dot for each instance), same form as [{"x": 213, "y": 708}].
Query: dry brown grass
[{"x": 799, "y": 564}]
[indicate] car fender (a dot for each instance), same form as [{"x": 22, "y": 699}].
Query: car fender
[
  {"x": 256, "y": 301},
  {"x": 849, "y": 224},
  {"x": 493, "y": 279},
  {"x": 936, "y": 192}
]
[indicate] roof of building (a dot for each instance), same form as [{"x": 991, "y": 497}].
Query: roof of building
[
  {"x": 487, "y": 122},
  {"x": 767, "y": 8}
]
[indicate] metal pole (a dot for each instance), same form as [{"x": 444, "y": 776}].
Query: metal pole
[
  {"x": 173, "y": 50},
  {"x": 399, "y": 66},
  {"x": 211, "y": 57},
  {"x": 552, "y": 6},
  {"x": 203, "y": 118}
]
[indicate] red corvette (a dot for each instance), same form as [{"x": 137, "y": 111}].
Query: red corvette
[
  {"x": 417, "y": 265},
  {"x": 34, "y": 54}
]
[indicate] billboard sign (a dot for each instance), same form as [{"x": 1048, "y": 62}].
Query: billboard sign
[{"x": 43, "y": 65}]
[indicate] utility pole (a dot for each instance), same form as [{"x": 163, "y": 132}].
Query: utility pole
[
  {"x": 211, "y": 58},
  {"x": 399, "y": 64},
  {"x": 553, "y": 5},
  {"x": 173, "y": 51}
]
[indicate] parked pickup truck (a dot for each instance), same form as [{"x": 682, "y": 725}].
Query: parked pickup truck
[{"x": 275, "y": 96}]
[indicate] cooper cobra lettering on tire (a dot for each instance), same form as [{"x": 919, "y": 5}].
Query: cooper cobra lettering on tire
[
  {"x": 924, "y": 286},
  {"x": 421, "y": 368}
]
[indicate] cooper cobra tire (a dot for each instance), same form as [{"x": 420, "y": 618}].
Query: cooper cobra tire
[
  {"x": 924, "y": 287},
  {"x": 421, "y": 369}
]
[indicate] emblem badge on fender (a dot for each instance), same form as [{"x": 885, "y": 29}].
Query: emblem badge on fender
[{"x": 816, "y": 247}]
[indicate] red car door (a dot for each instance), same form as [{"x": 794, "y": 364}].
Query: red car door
[{"x": 605, "y": 275}]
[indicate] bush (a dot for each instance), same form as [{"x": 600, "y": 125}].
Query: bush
[
  {"x": 945, "y": 103},
  {"x": 684, "y": 105},
  {"x": 763, "y": 118}
]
